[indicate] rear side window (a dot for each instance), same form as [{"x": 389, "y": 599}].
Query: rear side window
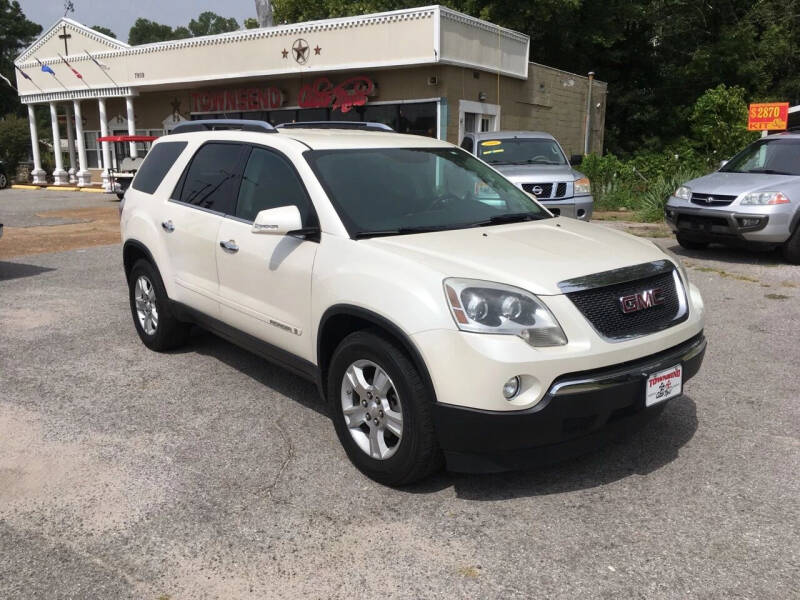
[
  {"x": 269, "y": 181},
  {"x": 156, "y": 164},
  {"x": 212, "y": 178}
]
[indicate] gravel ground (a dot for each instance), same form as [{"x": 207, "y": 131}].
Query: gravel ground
[{"x": 209, "y": 473}]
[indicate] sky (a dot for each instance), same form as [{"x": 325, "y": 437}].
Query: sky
[{"x": 119, "y": 15}]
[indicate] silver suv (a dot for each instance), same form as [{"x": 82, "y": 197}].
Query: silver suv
[
  {"x": 535, "y": 161},
  {"x": 754, "y": 199}
]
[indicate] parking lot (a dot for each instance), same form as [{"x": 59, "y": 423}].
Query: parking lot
[{"x": 209, "y": 473}]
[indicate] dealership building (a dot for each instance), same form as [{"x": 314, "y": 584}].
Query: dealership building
[{"x": 427, "y": 71}]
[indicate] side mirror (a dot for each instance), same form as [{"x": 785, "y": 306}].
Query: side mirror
[
  {"x": 722, "y": 163},
  {"x": 278, "y": 221},
  {"x": 576, "y": 159}
]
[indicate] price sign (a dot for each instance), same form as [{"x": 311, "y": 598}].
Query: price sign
[{"x": 769, "y": 115}]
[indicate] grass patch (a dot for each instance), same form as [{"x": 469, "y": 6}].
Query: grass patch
[{"x": 726, "y": 274}]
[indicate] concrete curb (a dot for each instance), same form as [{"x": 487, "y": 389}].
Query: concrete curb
[{"x": 59, "y": 188}]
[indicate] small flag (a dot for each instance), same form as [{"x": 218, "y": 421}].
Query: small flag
[
  {"x": 71, "y": 68},
  {"x": 4, "y": 78},
  {"x": 103, "y": 66},
  {"x": 26, "y": 76},
  {"x": 74, "y": 70},
  {"x": 23, "y": 73},
  {"x": 45, "y": 68}
]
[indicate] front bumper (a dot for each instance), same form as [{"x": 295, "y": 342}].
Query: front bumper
[
  {"x": 578, "y": 413},
  {"x": 577, "y": 207},
  {"x": 730, "y": 224}
]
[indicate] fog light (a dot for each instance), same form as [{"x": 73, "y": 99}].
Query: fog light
[
  {"x": 749, "y": 222},
  {"x": 511, "y": 388}
]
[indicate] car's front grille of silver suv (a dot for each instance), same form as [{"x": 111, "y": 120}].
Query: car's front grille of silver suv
[{"x": 627, "y": 303}]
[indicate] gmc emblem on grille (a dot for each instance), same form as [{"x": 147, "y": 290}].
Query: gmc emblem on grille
[{"x": 642, "y": 300}]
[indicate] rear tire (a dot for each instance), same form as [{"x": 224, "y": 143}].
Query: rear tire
[
  {"x": 157, "y": 327},
  {"x": 791, "y": 248},
  {"x": 390, "y": 386},
  {"x": 3, "y": 181},
  {"x": 691, "y": 244}
]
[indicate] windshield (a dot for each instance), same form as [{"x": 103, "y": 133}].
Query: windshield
[
  {"x": 521, "y": 151},
  {"x": 774, "y": 157},
  {"x": 390, "y": 191}
]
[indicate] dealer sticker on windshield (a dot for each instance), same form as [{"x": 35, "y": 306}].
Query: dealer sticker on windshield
[{"x": 663, "y": 385}]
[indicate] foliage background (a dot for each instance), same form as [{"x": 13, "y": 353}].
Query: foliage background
[{"x": 678, "y": 71}]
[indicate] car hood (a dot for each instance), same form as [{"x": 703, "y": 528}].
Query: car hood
[
  {"x": 539, "y": 173},
  {"x": 733, "y": 184},
  {"x": 532, "y": 255}
]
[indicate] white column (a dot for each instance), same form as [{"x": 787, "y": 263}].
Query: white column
[
  {"x": 59, "y": 174},
  {"x": 84, "y": 177},
  {"x": 101, "y": 103},
  {"x": 38, "y": 173},
  {"x": 70, "y": 143},
  {"x": 131, "y": 124}
]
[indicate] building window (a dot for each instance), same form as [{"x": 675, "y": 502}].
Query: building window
[
  {"x": 93, "y": 149},
  {"x": 418, "y": 118}
]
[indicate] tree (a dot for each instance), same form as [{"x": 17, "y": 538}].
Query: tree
[
  {"x": 209, "y": 23},
  {"x": 16, "y": 34},
  {"x": 104, "y": 30},
  {"x": 251, "y": 23},
  {"x": 15, "y": 141},
  {"x": 145, "y": 31},
  {"x": 719, "y": 121}
]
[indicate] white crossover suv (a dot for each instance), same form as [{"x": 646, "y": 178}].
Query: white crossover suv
[{"x": 443, "y": 313}]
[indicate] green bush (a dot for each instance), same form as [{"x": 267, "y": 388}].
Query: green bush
[{"x": 15, "y": 141}]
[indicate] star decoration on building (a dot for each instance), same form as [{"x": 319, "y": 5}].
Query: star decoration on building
[
  {"x": 300, "y": 49},
  {"x": 285, "y": 53},
  {"x": 317, "y": 50}
]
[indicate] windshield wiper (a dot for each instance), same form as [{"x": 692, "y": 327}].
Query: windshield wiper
[
  {"x": 510, "y": 218},
  {"x": 360, "y": 235},
  {"x": 769, "y": 172}
]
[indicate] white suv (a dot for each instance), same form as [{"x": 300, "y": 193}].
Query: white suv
[{"x": 443, "y": 313}]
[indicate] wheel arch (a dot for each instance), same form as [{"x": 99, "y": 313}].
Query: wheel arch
[
  {"x": 341, "y": 320},
  {"x": 132, "y": 251}
]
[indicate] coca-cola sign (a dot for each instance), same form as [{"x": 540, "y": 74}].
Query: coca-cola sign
[
  {"x": 237, "y": 100},
  {"x": 323, "y": 94}
]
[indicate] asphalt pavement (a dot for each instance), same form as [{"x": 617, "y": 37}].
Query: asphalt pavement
[{"x": 210, "y": 473}]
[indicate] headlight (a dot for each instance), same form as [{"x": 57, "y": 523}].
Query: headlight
[
  {"x": 487, "y": 307},
  {"x": 683, "y": 192},
  {"x": 764, "y": 198},
  {"x": 582, "y": 186}
]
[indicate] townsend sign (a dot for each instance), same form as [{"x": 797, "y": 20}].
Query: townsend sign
[
  {"x": 237, "y": 100},
  {"x": 323, "y": 94}
]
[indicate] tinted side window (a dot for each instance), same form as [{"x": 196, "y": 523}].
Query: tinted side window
[
  {"x": 211, "y": 179},
  {"x": 269, "y": 181},
  {"x": 156, "y": 164}
]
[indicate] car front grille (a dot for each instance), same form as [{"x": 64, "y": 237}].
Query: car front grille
[
  {"x": 712, "y": 199},
  {"x": 602, "y": 306},
  {"x": 546, "y": 190}
]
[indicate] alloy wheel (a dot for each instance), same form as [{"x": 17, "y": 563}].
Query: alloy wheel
[
  {"x": 372, "y": 409},
  {"x": 146, "y": 310}
]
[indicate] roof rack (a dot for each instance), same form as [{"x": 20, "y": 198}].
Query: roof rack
[
  {"x": 213, "y": 124},
  {"x": 359, "y": 125}
]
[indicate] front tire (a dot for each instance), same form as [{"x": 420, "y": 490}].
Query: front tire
[
  {"x": 791, "y": 248},
  {"x": 691, "y": 244},
  {"x": 157, "y": 327},
  {"x": 3, "y": 181},
  {"x": 382, "y": 410}
]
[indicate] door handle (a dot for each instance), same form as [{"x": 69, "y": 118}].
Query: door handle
[
  {"x": 168, "y": 226},
  {"x": 229, "y": 245}
]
